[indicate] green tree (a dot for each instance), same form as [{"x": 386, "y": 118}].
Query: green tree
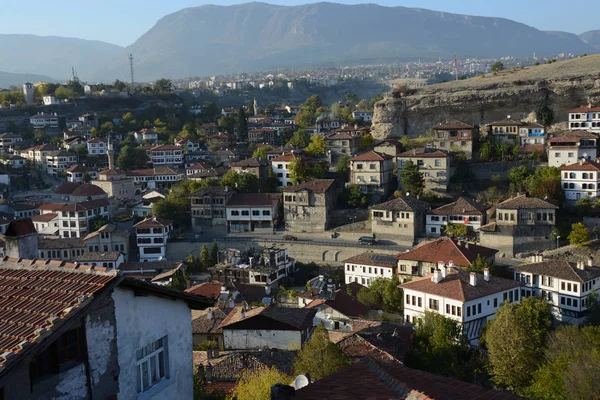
[
  {"x": 570, "y": 368},
  {"x": 205, "y": 257},
  {"x": 593, "y": 311},
  {"x": 456, "y": 230},
  {"x": 65, "y": 93},
  {"x": 383, "y": 294},
  {"x": 227, "y": 123},
  {"x": 316, "y": 147},
  {"x": 242, "y": 125},
  {"x": 261, "y": 152},
  {"x": 515, "y": 341},
  {"x": 366, "y": 142},
  {"x": 351, "y": 98},
  {"x": 545, "y": 181},
  {"x": 479, "y": 265},
  {"x": 545, "y": 115},
  {"x": 497, "y": 67},
  {"x": 319, "y": 357},
  {"x": 40, "y": 136},
  {"x": 255, "y": 384},
  {"x": 214, "y": 253},
  {"x": 245, "y": 183},
  {"x": 354, "y": 197},
  {"x": 97, "y": 223},
  {"x": 517, "y": 177},
  {"x": 86, "y": 178},
  {"x": 579, "y": 234},
  {"x": 300, "y": 139},
  {"x": 132, "y": 158},
  {"x": 163, "y": 85},
  {"x": 487, "y": 151},
  {"x": 302, "y": 171},
  {"x": 342, "y": 166},
  {"x": 411, "y": 179},
  {"x": 583, "y": 206}
]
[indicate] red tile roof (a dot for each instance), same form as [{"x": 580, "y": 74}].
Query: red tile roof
[
  {"x": 344, "y": 304},
  {"x": 88, "y": 190},
  {"x": 287, "y": 157},
  {"x": 206, "y": 289},
  {"x": 153, "y": 222},
  {"x": 445, "y": 250},
  {"x": 530, "y": 148},
  {"x": 525, "y": 202},
  {"x": 456, "y": 285},
  {"x": 316, "y": 186},
  {"x": 584, "y": 166},
  {"x": 38, "y": 297},
  {"x": 44, "y": 217},
  {"x": 254, "y": 200},
  {"x": 372, "y": 156},
  {"x": 452, "y": 124},
  {"x": 423, "y": 153},
  {"x": 462, "y": 206},
  {"x": 584, "y": 109},
  {"x": 374, "y": 259},
  {"x": 67, "y": 188},
  {"x": 19, "y": 228}
]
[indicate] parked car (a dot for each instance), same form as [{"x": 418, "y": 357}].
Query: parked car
[
  {"x": 368, "y": 240},
  {"x": 290, "y": 237}
]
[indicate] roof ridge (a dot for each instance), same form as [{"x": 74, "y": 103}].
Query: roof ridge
[
  {"x": 392, "y": 382},
  {"x": 57, "y": 265}
]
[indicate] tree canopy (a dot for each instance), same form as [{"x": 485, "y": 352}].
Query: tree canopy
[
  {"x": 320, "y": 357},
  {"x": 256, "y": 384},
  {"x": 382, "y": 294},
  {"x": 579, "y": 234},
  {"x": 132, "y": 158},
  {"x": 316, "y": 147},
  {"x": 412, "y": 179}
]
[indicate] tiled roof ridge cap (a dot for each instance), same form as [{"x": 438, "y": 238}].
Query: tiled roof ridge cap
[
  {"x": 393, "y": 383},
  {"x": 58, "y": 265}
]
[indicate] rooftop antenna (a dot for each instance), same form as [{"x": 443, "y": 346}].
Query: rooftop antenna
[{"x": 131, "y": 70}]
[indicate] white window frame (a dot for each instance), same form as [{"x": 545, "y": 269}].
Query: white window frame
[{"x": 151, "y": 355}]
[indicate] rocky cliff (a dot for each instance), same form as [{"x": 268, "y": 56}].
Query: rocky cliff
[{"x": 483, "y": 99}]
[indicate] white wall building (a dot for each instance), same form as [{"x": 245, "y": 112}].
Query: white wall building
[
  {"x": 49, "y": 100},
  {"x": 152, "y": 235},
  {"x": 585, "y": 118},
  {"x": 166, "y": 155},
  {"x": 468, "y": 298},
  {"x": 42, "y": 121},
  {"x": 252, "y": 212},
  {"x": 580, "y": 180},
  {"x": 567, "y": 286},
  {"x": 146, "y": 135},
  {"x": 97, "y": 146},
  {"x": 569, "y": 147},
  {"x": 368, "y": 266},
  {"x": 281, "y": 168},
  {"x": 365, "y": 115},
  {"x": 74, "y": 219},
  {"x": 60, "y": 162},
  {"x": 463, "y": 211}
]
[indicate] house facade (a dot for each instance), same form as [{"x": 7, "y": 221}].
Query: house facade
[
  {"x": 569, "y": 147},
  {"x": 253, "y": 212},
  {"x": 208, "y": 207},
  {"x": 454, "y": 136},
  {"x": 373, "y": 172},
  {"x": 586, "y": 118},
  {"x": 281, "y": 168},
  {"x": 166, "y": 154},
  {"x": 342, "y": 142},
  {"x": 463, "y": 211},
  {"x": 152, "y": 235},
  {"x": 256, "y": 167},
  {"x": 403, "y": 217},
  {"x": 74, "y": 219},
  {"x": 108, "y": 238},
  {"x": 307, "y": 207},
  {"x": 580, "y": 180},
  {"x": 368, "y": 266},
  {"x": 434, "y": 165}
]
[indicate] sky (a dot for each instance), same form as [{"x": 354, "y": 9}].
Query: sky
[{"x": 123, "y": 21}]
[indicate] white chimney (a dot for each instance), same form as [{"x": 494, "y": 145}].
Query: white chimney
[
  {"x": 466, "y": 245},
  {"x": 443, "y": 271},
  {"x": 473, "y": 279},
  {"x": 590, "y": 262},
  {"x": 580, "y": 265},
  {"x": 436, "y": 277},
  {"x": 451, "y": 264},
  {"x": 533, "y": 259},
  {"x": 486, "y": 274},
  {"x": 250, "y": 260},
  {"x": 540, "y": 258},
  {"x": 209, "y": 314}
]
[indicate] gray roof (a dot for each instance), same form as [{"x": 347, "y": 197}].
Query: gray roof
[
  {"x": 60, "y": 243},
  {"x": 406, "y": 203},
  {"x": 525, "y": 202},
  {"x": 98, "y": 256},
  {"x": 560, "y": 269}
]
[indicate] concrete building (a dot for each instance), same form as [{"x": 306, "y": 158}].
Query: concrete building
[
  {"x": 60, "y": 161},
  {"x": 108, "y": 259},
  {"x": 390, "y": 146},
  {"x": 463, "y": 211},
  {"x": 97, "y": 146},
  {"x": 115, "y": 344},
  {"x": 434, "y": 165},
  {"x": 46, "y": 224},
  {"x": 74, "y": 219},
  {"x": 403, "y": 217},
  {"x": 368, "y": 266},
  {"x": 208, "y": 207},
  {"x": 567, "y": 148},
  {"x": 342, "y": 142},
  {"x": 522, "y": 224},
  {"x": 338, "y": 311},
  {"x": 78, "y": 192},
  {"x": 426, "y": 257},
  {"x": 253, "y": 212},
  {"x": 108, "y": 238},
  {"x": 166, "y": 154},
  {"x": 454, "y": 136},
  {"x": 21, "y": 240},
  {"x": 373, "y": 172},
  {"x": 152, "y": 235},
  {"x": 116, "y": 184},
  {"x": 308, "y": 206},
  {"x": 468, "y": 298},
  {"x": 257, "y": 167},
  {"x": 580, "y": 180},
  {"x": 586, "y": 118},
  {"x": 76, "y": 173},
  {"x": 281, "y": 168},
  {"x": 267, "y": 327},
  {"x": 567, "y": 286},
  {"x": 39, "y": 154}
]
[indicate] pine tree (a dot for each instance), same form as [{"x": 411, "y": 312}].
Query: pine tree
[
  {"x": 205, "y": 257},
  {"x": 242, "y": 126},
  {"x": 411, "y": 179},
  {"x": 214, "y": 253}
]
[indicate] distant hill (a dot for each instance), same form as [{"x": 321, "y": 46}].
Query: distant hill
[
  {"x": 8, "y": 79},
  {"x": 53, "y": 56},
  {"x": 212, "y": 39},
  {"x": 592, "y": 38}
]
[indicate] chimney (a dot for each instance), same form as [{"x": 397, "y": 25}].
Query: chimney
[
  {"x": 436, "y": 277},
  {"x": 443, "y": 271},
  {"x": 243, "y": 313},
  {"x": 581, "y": 161},
  {"x": 540, "y": 257},
  {"x": 209, "y": 314},
  {"x": 466, "y": 245},
  {"x": 486, "y": 274},
  {"x": 472, "y": 279},
  {"x": 21, "y": 240},
  {"x": 580, "y": 265},
  {"x": 590, "y": 262},
  {"x": 533, "y": 259},
  {"x": 451, "y": 264}
]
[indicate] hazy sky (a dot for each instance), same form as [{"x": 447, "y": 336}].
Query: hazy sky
[{"x": 123, "y": 21}]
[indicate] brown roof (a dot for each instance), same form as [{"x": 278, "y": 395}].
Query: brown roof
[
  {"x": 372, "y": 156},
  {"x": 198, "y": 165},
  {"x": 446, "y": 250},
  {"x": 462, "y": 206},
  {"x": 344, "y": 304},
  {"x": 88, "y": 190},
  {"x": 423, "y": 153},
  {"x": 253, "y": 200},
  {"x": 452, "y": 124},
  {"x": 67, "y": 188},
  {"x": 38, "y": 297},
  {"x": 98, "y": 256},
  {"x": 571, "y": 137},
  {"x": 166, "y": 147},
  {"x": 374, "y": 259},
  {"x": 60, "y": 243},
  {"x": 287, "y": 157},
  {"x": 44, "y": 217},
  {"x": 456, "y": 285},
  {"x": 530, "y": 148},
  {"x": 373, "y": 380},
  {"x": 584, "y": 109},
  {"x": 250, "y": 162},
  {"x": 153, "y": 222},
  {"x": 21, "y": 227},
  {"x": 111, "y": 171},
  {"x": 206, "y": 289},
  {"x": 202, "y": 324},
  {"x": 506, "y": 122},
  {"x": 316, "y": 186},
  {"x": 525, "y": 202},
  {"x": 560, "y": 269},
  {"x": 82, "y": 206},
  {"x": 155, "y": 265},
  {"x": 78, "y": 168},
  {"x": 406, "y": 203},
  {"x": 298, "y": 318},
  {"x": 585, "y": 166}
]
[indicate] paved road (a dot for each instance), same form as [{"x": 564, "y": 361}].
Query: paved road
[{"x": 319, "y": 241}]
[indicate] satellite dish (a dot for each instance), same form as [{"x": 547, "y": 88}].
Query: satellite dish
[{"x": 301, "y": 381}]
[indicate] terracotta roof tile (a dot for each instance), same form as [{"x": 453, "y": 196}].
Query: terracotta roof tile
[
  {"x": 316, "y": 186},
  {"x": 452, "y": 124},
  {"x": 584, "y": 109},
  {"x": 253, "y": 200},
  {"x": 206, "y": 289},
  {"x": 584, "y": 166},
  {"x": 423, "y": 153},
  {"x": 462, "y": 206},
  {"x": 19, "y": 228},
  {"x": 374, "y": 259},
  {"x": 298, "y": 318},
  {"x": 445, "y": 250},
  {"x": 372, "y": 156},
  {"x": 525, "y": 202},
  {"x": 153, "y": 222},
  {"x": 344, "y": 304},
  {"x": 560, "y": 269}
]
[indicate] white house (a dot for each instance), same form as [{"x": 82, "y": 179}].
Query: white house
[
  {"x": 112, "y": 342},
  {"x": 16, "y": 161},
  {"x": 49, "y": 100},
  {"x": 77, "y": 172},
  {"x": 580, "y": 180},
  {"x": 567, "y": 286},
  {"x": 146, "y": 135},
  {"x": 252, "y": 212},
  {"x": 60, "y": 161},
  {"x": 337, "y": 310},
  {"x": 532, "y": 133},
  {"x": 109, "y": 259},
  {"x": 42, "y": 121},
  {"x": 365, "y": 115},
  {"x": 157, "y": 177},
  {"x": 365, "y": 267},
  {"x": 585, "y": 118},
  {"x": 569, "y": 147},
  {"x": 152, "y": 235},
  {"x": 468, "y": 298},
  {"x": 74, "y": 219},
  {"x": 267, "y": 327},
  {"x": 97, "y": 146},
  {"x": 166, "y": 155},
  {"x": 463, "y": 211},
  {"x": 281, "y": 168},
  {"x": 8, "y": 142}
]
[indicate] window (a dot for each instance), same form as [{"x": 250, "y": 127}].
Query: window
[
  {"x": 408, "y": 299},
  {"x": 372, "y": 166},
  {"x": 152, "y": 364},
  {"x": 438, "y": 163},
  {"x": 61, "y": 355},
  {"x": 420, "y": 303},
  {"x": 256, "y": 212},
  {"x": 479, "y": 308},
  {"x": 434, "y": 304},
  {"x": 468, "y": 311},
  {"x": 245, "y": 212}
]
